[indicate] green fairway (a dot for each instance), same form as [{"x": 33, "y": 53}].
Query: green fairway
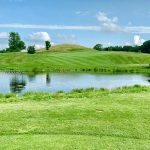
[
  {"x": 83, "y": 119},
  {"x": 72, "y": 58}
]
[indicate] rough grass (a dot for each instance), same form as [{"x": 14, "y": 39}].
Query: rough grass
[
  {"x": 63, "y": 48},
  {"x": 75, "y": 59},
  {"x": 82, "y": 119}
]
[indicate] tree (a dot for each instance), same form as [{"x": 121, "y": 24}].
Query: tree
[
  {"x": 47, "y": 45},
  {"x": 145, "y": 48},
  {"x": 98, "y": 47},
  {"x": 15, "y": 43},
  {"x": 31, "y": 49},
  {"x": 127, "y": 48},
  {"x": 136, "y": 49},
  {"x": 124, "y": 48},
  {"x": 21, "y": 45}
]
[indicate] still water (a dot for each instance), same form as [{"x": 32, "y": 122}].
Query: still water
[{"x": 53, "y": 82}]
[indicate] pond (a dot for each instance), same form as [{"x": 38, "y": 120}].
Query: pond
[{"x": 54, "y": 82}]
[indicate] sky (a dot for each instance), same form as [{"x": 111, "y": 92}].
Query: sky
[{"x": 84, "y": 22}]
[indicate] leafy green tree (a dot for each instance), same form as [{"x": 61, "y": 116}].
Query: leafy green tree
[
  {"x": 47, "y": 45},
  {"x": 136, "y": 49},
  {"x": 15, "y": 43},
  {"x": 145, "y": 48},
  {"x": 31, "y": 49},
  {"x": 21, "y": 45},
  {"x": 98, "y": 47}
]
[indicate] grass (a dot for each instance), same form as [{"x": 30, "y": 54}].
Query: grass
[
  {"x": 63, "y": 48},
  {"x": 75, "y": 58},
  {"x": 82, "y": 119}
]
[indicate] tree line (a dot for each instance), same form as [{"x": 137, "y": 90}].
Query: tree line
[
  {"x": 144, "y": 48},
  {"x": 15, "y": 44}
]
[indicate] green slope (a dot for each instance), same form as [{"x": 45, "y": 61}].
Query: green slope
[{"x": 74, "y": 59}]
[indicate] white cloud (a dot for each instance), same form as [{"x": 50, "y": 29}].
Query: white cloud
[
  {"x": 38, "y": 39},
  {"x": 39, "y": 46},
  {"x": 50, "y": 27},
  {"x": 102, "y": 17},
  {"x": 111, "y": 25},
  {"x": 137, "y": 29},
  {"x": 138, "y": 40},
  {"x": 40, "y": 36},
  {"x": 108, "y": 24}
]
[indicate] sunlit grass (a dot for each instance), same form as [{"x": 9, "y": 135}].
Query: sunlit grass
[
  {"x": 79, "y": 59},
  {"x": 81, "y": 119}
]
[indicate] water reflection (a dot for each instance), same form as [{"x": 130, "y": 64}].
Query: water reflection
[
  {"x": 17, "y": 84},
  {"x": 31, "y": 77},
  {"x": 148, "y": 75},
  {"x": 48, "y": 79},
  {"x": 53, "y": 82}
]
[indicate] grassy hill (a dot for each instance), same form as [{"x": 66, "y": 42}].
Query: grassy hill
[
  {"x": 64, "y": 48},
  {"x": 81, "y": 120},
  {"x": 74, "y": 58}
]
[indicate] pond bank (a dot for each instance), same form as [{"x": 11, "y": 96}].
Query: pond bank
[
  {"x": 102, "y": 69},
  {"x": 82, "y": 119}
]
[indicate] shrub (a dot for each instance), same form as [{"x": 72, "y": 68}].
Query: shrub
[
  {"x": 98, "y": 47},
  {"x": 31, "y": 49}
]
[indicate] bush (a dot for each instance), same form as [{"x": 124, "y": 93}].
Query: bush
[
  {"x": 98, "y": 47},
  {"x": 31, "y": 49},
  {"x": 3, "y": 51}
]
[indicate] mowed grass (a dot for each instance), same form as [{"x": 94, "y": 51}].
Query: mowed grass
[
  {"x": 83, "y": 119},
  {"x": 75, "y": 58}
]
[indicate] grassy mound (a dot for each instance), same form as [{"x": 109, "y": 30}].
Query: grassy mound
[{"x": 64, "y": 48}]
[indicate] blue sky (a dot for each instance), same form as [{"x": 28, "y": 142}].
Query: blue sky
[{"x": 86, "y": 22}]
